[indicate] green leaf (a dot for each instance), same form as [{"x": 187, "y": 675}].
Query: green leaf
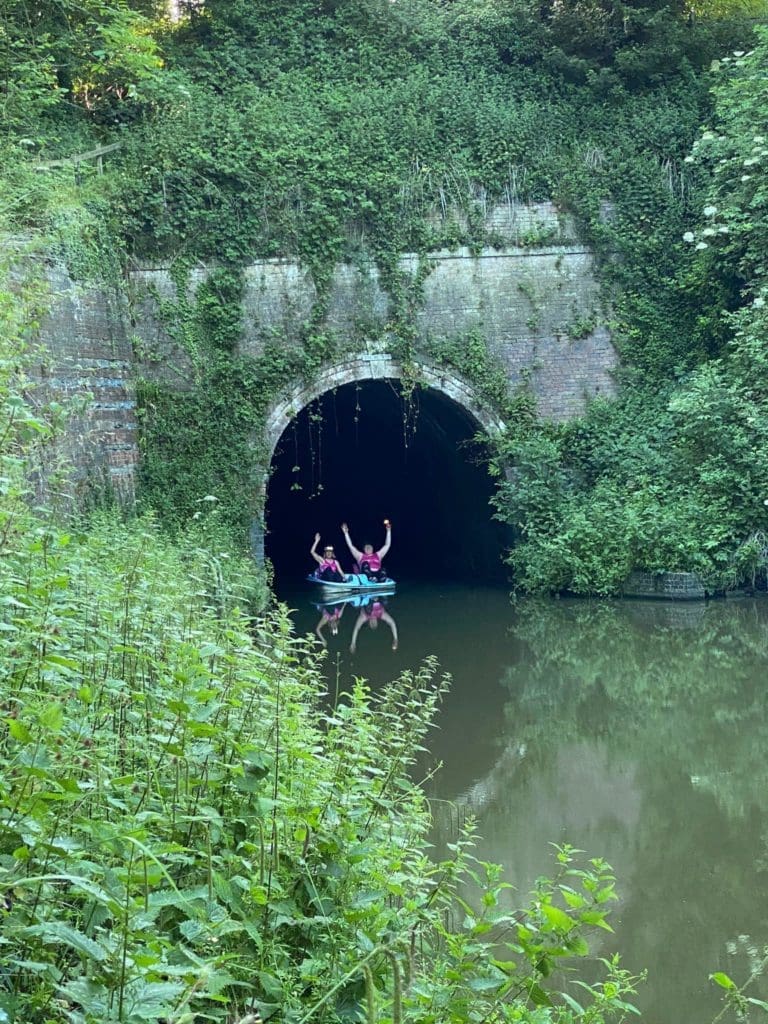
[
  {"x": 68, "y": 664},
  {"x": 577, "y": 1007},
  {"x": 722, "y": 980},
  {"x": 595, "y": 917},
  {"x": 573, "y": 899},
  {"x": 56, "y": 932},
  {"x": 537, "y": 995},
  {"x": 578, "y": 946},
  {"x": 19, "y": 731},
  {"x": 606, "y": 894},
  {"x": 484, "y": 984},
  {"x": 52, "y": 718},
  {"x": 557, "y": 918}
]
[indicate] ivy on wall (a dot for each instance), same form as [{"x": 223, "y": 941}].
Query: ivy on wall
[{"x": 208, "y": 437}]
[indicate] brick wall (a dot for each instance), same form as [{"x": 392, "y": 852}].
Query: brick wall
[
  {"x": 538, "y": 307},
  {"x": 82, "y": 360}
]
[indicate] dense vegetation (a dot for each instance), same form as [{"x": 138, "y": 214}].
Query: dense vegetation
[
  {"x": 671, "y": 475},
  {"x": 365, "y": 128},
  {"x": 176, "y": 842}
]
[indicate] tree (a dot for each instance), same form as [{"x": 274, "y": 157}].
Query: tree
[{"x": 91, "y": 53}]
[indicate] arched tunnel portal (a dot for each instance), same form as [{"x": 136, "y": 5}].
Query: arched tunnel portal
[{"x": 366, "y": 449}]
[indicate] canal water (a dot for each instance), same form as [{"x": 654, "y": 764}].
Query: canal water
[{"x": 635, "y": 731}]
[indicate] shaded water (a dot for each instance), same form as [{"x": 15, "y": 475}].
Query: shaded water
[{"x": 635, "y": 731}]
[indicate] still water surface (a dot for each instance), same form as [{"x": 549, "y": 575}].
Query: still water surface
[{"x": 635, "y": 731}]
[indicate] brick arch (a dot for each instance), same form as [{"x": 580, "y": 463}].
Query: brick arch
[
  {"x": 377, "y": 366},
  {"x": 364, "y": 367}
]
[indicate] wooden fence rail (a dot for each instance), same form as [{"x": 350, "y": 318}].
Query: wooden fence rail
[{"x": 92, "y": 154}]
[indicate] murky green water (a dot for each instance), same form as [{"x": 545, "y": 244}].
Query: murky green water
[{"x": 635, "y": 731}]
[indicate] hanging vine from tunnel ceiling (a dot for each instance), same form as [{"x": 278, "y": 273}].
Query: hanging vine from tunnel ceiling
[{"x": 315, "y": 417}]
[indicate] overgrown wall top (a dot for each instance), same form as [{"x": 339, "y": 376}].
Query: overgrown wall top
[{"x": 537, "y": 306}]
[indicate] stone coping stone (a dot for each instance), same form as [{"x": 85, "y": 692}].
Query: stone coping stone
[{"x": 668, "y": 586}]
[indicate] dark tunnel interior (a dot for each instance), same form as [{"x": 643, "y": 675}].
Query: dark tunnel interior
[{"x": 360, "y": 454}]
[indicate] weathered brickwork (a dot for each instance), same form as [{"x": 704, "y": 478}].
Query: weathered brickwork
[
  {"x": 677, "y": 586},
  {"x": 536, "y": 304},
  {"x": 534, "y": 298},
  {"x": 84, "y": 362}
]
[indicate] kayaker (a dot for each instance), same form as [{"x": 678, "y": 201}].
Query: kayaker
[
  {"x": 328, "y": 568},
  {"x": 368, "y": 560},
  {"x": 372, "y": 615}
]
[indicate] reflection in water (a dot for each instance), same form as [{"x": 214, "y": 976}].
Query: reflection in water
[
  {"x": 371, "y": 611},
  {"x": 330, "y": 617},
  {"x": 635, "y": 731}
]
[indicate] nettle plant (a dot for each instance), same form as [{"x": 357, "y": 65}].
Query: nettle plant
[{"x": 191, "y": 832}]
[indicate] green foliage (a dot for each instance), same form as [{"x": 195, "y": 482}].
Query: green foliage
[
  {"x": 190, "y": 829},
  {"x": 736, "y": 1002},
  {"x": 355, "y": 130},
  {"x": 94, "y": 53},
  {"x": 23, "y": 429},
  {"x": 663, "y": 482},
  {"x": 669, "y": 476},
  {"x": 310, "y": 131},
  {"x": 207, "y": 440},
  {"x": 734, "y": 234}
]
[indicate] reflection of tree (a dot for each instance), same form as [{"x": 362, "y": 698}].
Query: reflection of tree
[
  {"x": 694, "y": 696},
  {"x": 677, "y": 703}
]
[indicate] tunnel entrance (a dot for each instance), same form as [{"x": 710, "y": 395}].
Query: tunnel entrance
[{"x": 361, "y": 453}]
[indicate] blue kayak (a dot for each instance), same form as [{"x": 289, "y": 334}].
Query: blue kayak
[
  {"x": 356, "y": 599},
  {"x": 354, "y": 582}
]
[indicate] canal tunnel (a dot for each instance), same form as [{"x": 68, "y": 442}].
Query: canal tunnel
[{"x": 364, "y": 452}]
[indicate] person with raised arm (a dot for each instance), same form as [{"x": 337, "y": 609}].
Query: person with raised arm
[
  {"x": 369, "y": 561},
  {"x": 328, "y": 568}
]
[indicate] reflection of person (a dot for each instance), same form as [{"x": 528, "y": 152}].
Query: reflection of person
[
  {"x": 373, "y": 614},
  {"x": 368, "y": 560},
  {"x": 328, "y": 568},
  {"x": 330, "y": 617}
]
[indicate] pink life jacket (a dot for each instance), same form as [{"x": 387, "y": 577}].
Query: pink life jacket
[
  {"x": 330, "y": 563},
  {"x": 376, "y": 612},
  {"x": 373, "y": 560}
]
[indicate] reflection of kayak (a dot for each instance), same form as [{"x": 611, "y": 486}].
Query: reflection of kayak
[
  {"x": 354, "y": 583},
  {"x": 356, "y": 599}
]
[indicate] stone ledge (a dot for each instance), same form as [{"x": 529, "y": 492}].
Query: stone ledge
[{"x": 668, "y": 586}]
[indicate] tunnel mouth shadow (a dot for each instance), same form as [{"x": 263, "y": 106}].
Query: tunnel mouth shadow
[{"x": 371, "y": 450}]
